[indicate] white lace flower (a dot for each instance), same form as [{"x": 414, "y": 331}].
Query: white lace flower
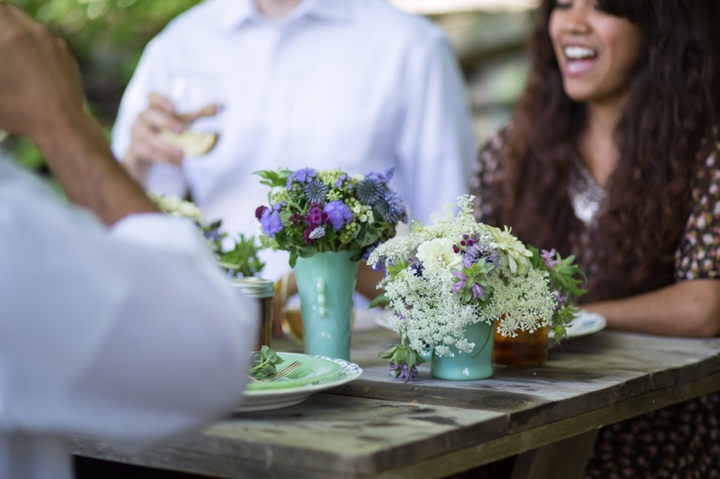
[{"x": 439, "y": 251}]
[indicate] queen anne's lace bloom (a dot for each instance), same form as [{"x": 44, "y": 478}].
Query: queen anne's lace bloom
[{"x": 428, "y": 311}]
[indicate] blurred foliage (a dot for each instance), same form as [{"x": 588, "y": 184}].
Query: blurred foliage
[{"x": 108, "y": 37}]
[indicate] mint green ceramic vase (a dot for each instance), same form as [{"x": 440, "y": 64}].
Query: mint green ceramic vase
[
  {"x": 466, "y": 366},
  {"x": 326, "y": 282}
]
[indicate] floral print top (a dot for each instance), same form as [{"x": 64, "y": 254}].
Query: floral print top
[{"x": 698, "y": 254}]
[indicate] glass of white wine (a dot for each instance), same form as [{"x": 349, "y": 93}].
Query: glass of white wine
[{"x": 190, "y": 93}]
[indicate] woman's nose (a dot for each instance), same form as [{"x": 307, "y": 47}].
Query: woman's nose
[{"x": 575, "y": 19}]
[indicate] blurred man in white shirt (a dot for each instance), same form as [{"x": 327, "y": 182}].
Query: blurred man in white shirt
[
  {"x": 125, "y": 331},
  {"x": 350, "y": 84}
]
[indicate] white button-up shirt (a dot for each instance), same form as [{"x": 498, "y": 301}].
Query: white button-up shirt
[
  {"x": 131, "y": 335},
  {"x": 350, "y": 84}
]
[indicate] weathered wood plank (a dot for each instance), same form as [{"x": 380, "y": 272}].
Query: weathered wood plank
[
  {"x": 668, "y": 360},
  {"x": 328, "y": 435},
  {"x": 517, "y": 443}
]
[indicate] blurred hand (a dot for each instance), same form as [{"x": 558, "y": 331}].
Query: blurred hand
[
  {"x": 146, "y": 146},
  {"x": 39, "y": 80}
]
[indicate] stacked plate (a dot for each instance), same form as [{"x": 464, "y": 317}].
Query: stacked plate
[{"x": 316, "y": 374}]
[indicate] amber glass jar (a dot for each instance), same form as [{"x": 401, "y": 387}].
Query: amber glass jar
[
  {"x": 526, "y": 349},
  {"x": 262, "y": 290}
]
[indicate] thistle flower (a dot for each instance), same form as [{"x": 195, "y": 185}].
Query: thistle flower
[
  {"x": 392, "y": 207},
  {"x": 316, "y": 191},
  {"x": 479, "y": 251},
  {"x": 369, "y": 191}
]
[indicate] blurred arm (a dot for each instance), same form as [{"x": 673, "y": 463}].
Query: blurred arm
[{"x": 687, "y": 308}]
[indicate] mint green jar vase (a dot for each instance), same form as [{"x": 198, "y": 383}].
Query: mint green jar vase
[
  {"x": 326, "y": 282},
  {"x": 466, "y": 366}
]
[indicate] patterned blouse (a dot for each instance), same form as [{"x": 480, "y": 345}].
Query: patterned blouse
[
  {"x": 679, "y": 441},
  {"x": 698, "y": 254}
]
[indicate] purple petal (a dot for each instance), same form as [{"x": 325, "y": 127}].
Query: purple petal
[
  {"x": 477, "y": 290},
  {"x": 459, "y": 275}
]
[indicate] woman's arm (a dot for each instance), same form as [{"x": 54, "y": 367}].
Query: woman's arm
[{"x": 687, "y": 308}]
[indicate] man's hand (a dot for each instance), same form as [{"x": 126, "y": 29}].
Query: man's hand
[
  {"x": 146, "y": 146},
  {"x": 39, "y": 80},
  {"x": 41, "y": 98}
]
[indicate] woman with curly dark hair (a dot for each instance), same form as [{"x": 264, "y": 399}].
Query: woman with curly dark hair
[{"x": 613, "y": 155}]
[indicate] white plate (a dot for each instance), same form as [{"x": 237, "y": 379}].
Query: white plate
[
  {"x": 280, "y": 398},
  {"x": 585, "y": 323}
]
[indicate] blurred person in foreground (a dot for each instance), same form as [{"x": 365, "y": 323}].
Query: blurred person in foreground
[
  {"x": 614, "y": 155},
  {"x": 124, "y": 331},
  {"x": 349, "y": 84}
]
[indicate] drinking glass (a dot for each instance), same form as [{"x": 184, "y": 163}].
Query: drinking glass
[{"x": 190, "y": 93}]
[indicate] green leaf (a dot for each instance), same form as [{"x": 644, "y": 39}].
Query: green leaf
[{"x": 379, "y": 301}]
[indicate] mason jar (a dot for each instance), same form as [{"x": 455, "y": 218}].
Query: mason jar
[{"x": 262, "y": 290}]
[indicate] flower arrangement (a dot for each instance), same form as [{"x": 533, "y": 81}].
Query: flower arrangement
[
  {"x": 242, "y": 260},
  {"x": 444, "y": 277},
  {"x": 312, "y": 211}
]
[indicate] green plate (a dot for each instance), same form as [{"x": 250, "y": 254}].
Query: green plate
[{"x": 313, "y": 370}]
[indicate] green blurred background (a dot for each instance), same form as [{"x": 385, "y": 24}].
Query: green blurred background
[{"x": 108, "y": 37}]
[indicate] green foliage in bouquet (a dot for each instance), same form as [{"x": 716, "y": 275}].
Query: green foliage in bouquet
[
  {"x": 312, "y": 211},
  {"x": 242, "y": 260}
]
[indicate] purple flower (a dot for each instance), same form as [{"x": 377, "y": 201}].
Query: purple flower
[
  {"x": 259, "y": 211},
  {"x": 302, "y": 176},
  {"x": 460, "y": 284},
  {"x": 418, "y": 268},
  {"x": 548, "y": 258},
  {"x": 381, "y": 177},
  {"x": 405, "y": 371},
  {"x": 562, "y": 299},
  {"x": 339, "y": 214},
  {"x": 316, "y": 217},
  {"x": 270, "y": 222},
  {"x": 477, "y": 291}
]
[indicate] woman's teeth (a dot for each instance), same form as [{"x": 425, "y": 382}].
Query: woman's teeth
[{"x": 579, "y": 53}]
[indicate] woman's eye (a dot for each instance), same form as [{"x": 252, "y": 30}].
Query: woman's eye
[{"x": 563, "y": 5}]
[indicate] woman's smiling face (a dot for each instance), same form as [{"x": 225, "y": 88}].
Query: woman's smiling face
[{"x": 596, "y": 51}]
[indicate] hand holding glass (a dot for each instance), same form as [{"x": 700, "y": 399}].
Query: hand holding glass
[{"x": 196, "y": 102}]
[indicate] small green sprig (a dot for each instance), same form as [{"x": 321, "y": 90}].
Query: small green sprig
[
  {"x": 403, "y": 360},
  {"x": 473, "y": 282},
  {"x": 243, "y": 259},
  {"x": 264, "y": 362},
  {"x": 566, "y": 278}
]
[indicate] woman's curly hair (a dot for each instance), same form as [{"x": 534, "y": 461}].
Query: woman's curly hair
[{"x": 661, "y": 135}]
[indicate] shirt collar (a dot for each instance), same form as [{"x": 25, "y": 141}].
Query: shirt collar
[{"x": 240, "y": 11}]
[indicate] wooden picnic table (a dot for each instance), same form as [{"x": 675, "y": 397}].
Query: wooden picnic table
[{"x": 380, "y": 427}]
